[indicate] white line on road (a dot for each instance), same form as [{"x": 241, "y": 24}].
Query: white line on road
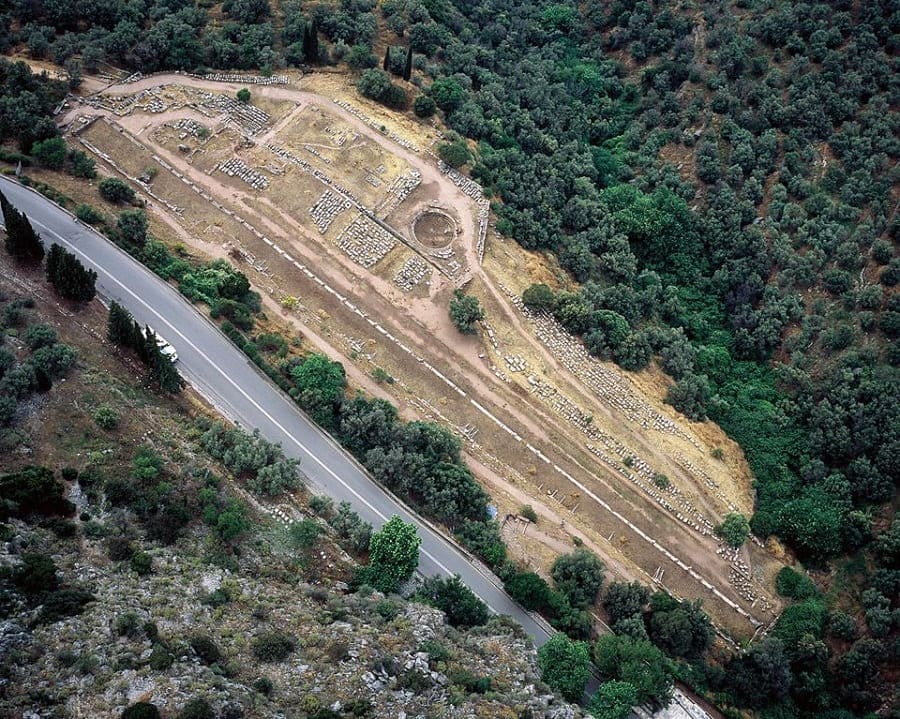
[{"x": 233, "y": 384}]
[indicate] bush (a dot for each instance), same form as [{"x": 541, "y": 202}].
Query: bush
[
  {"x": 243, "y": 95},
  {"x": 114, "y": 190},
  {"x": 465, "y": 312},
  {"x": 141, "y": 710},
  {"x": 106, "y": 417},
  {"x": 734, "y": 529},
  {"x": 528, "y": 512},
  {"x": 40, "y": 335},
  {"x": 578, "y": 576},
  {"x": 50, "y": 153},
  {"x": 141, "y": 563},
  {"x": 197, "y": 708},
  {"x": 455, "y": 154},
  {"x": 160, "y": 658},
  {"x": 273, "y": 646},
  {"x": 264, "y": 686},
  {"x": 436, "y": 651},
  {"x": 205, "y": 648},
  {"x": 792, "y": 584},
  {"x": 63, "y": 603},
  {"x": 89, "y": 215},
  {"x": 36, "y": 574},
  {"x": 128, "y": 625},
  {"x": 462, "y": 607},
  {"x": 424, "y": 106}
]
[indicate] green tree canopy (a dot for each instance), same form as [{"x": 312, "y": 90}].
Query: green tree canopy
[
  {"x": 578, "y": 576},
  {"x": 465, "y": 311},
  {"x": 613, "y": 700},
  {"x": 565, "y": 665},
  {"x": 393, "y": 554}
]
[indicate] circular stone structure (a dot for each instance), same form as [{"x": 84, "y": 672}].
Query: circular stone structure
[{"x": 434, "y": 228}]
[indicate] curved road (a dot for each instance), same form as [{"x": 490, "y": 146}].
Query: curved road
[{"x": 226, "y": 378}]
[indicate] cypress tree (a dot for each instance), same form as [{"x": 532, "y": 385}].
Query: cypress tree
[
  {"x": 119, "y": 326},
  {"x": 160, "y": 371},
  {"x": 22, "y": 242},
  {"x": 71, "y": 279},
  {"x": 306, "y": 42},
  {"x": 407, "y": 69},
  {"x": 311, "y": 43},
  {"x": 314, "y": 42},
  {"x": 387, "y": 59},
  {"x": 138, "y": 342}
]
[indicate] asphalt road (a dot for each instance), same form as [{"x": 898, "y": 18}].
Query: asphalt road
[{"x": 226, "y": 378}]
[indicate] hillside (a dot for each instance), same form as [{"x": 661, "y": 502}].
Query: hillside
[
  {"x": 706, "y": 192},
  {"x": 123, "y": 596}
]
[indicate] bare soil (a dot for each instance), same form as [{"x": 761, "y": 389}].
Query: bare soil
[{"x": 472, "y": 384}]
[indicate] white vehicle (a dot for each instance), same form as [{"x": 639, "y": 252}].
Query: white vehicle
[{"x": 167, "y": 350}]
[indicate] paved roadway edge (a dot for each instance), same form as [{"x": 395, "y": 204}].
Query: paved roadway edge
[{"x": 475, "y": 561}]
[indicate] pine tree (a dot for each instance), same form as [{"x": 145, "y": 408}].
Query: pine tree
[
  {"x": 119, "y": 325},
  {"x": 71, "y": 279},
  {"x": 407, "y": 69},
  {"x": 22, "y": 242},
  {"x": 386, "y": 65},
  {"x": 160, "y": 371}
]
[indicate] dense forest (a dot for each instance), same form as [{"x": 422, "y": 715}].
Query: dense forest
[{"x": 719, "y": 178}]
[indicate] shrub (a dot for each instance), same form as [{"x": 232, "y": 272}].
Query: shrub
[
  {"x": 141, "y": 563},
  {"x": 141, "y": 710},
  {"x": 205, "y": 648},
  {"x": 89, "y": 215},
  {"x": 106, "y": 417},
  {"x": 63, "y": 603},
  {"x": 436, "y": 651},
  {"x": 160, "y": 658},
  {"x": 197, "y": 708},
  {"x": 462, "y": 607},
  {"x": 387, "y": 609},
  {"x": 424, "y": 106},
  {"x": 578, "y": 576},
  {"x": 40, "y": 335},
  {"x": 243, "y": 95},
  {"x": 465, "y": 312},
  {"x": 127, "y": 625},
  {"x": 36, "y": 574},
  {"x": 528, "y": 512},
  {"x": 734, "y": 529},
  {"x": 114, "y": 190},
  {"x": 264, "y": 686},
  {"x": 273, "y": 646},
  {"x": 792, "y": 584}
]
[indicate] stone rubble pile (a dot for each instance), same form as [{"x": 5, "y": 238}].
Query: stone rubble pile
[
  {"x": 413, "y": 271},
  {"x": 606, "y": 383},
  {"x": 235, "y": 167},
  {"x": 515, "y": 363},
  {"x": 476, "y": 192},
  {"x": 356, "y": 112},
  {"x": 326, "y": 209},
  {"x": 399, "y": 191},
  {"x": 249, "y": 118},
  {"x": 741, "y": 577},
  {"x": 189, "y": 127},
  {"x": 314, "y": 152},
  {"x": 365, "y": 241},
  {"x": 246, "y": 79}
]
